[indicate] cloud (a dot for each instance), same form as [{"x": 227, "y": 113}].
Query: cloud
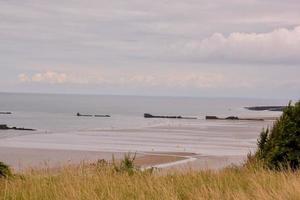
[
  {"x": 46, "y": 77},
  {"x": 278, "y": 46},
  {"x": 172, "y": 80},
  {"x": 168, "y": 44},
  {"x": 23, "y": 78},
  {"x": 142, "y": 79}
]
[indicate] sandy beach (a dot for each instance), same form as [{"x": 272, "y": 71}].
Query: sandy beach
[
  {"x": 21, "y": 159},
  {"x": 181, "y": 144}
]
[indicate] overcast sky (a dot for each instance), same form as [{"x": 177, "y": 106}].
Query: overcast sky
[{"x": 231, "y": 48}]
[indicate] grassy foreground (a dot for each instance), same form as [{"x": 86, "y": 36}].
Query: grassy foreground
[{"x": 104, "y": 182}]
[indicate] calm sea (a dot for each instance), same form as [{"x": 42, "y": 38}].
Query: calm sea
[{"x": 57, "y": 112}]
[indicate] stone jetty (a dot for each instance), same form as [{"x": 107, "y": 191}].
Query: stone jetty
[
  {"x": 5, "y": 127},
  {"x": 147, "y": 115},
  {"x": 231, "y": 118},
  {"x": 268, "y": 108}
]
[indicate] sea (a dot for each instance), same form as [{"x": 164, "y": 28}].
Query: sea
[
  {"x": 57, "y": 112},
  {"x": 54, "y": 116}
]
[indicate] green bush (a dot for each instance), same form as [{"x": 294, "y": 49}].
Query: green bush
[
  {"x": 279, "y": 147},
  {"x": 126, "y": 165},
  {"x": 4, "y": 170}
]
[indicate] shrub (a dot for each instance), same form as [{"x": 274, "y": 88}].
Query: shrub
[
  {"x": 279, "y": 147},
  {"x": 126, "y": 165},
  {"x": 4, "y": 170}
]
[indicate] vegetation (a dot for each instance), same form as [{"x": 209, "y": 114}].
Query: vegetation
[
  {"x": 95, "y": 182},
  {"x": 126, "y": 165},
  {"x": 4, "y": 170},
  {"x": 279, "y": 148}
]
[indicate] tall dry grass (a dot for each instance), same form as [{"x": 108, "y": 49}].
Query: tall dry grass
[{"x": 103, "y": 182}]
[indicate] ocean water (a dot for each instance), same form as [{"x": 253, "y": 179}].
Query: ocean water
[
  {"x": 58, "y": 112},
  {"x": 54, "y": 116}
]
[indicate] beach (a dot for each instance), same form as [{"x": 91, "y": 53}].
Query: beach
[
  {"x": 197, "y": 144},
  {"x": 22, "y": 159},
  {"x": 62, "y": 137}
]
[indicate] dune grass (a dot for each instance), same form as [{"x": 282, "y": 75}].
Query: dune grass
[{"x": 104, "y": 182}]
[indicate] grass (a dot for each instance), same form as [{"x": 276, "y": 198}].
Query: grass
[{"x": 102, "y": 181}]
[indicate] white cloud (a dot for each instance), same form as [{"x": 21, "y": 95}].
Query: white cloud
[
  {"x": 142, "y": 79},
  {"x": 46, "y": 77},
  {"x": 280, "y": 45},
  {"x": 23, "y": 78}
]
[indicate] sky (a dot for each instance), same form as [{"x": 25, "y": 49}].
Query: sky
[{"x": 206, "y": 48}]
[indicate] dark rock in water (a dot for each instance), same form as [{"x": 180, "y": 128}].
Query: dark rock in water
[
  {"x": 268, "y": 108},
  {"x": 102, "y": 115},
  {"x": 211, "y": 117},
  {"x": 280, "y": 108},
  {"x": 80, "y": 115},
  {"x": 5, "y": 113},
  {"x": 232, "y": 118},
  {"x": 147, "y": 115},
  {"x": 5, "y": 127},
  {"x": 23, "y": 129}
]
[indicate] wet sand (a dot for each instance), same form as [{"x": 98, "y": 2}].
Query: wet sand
[
  {"x": 22, "y": 159},
  {"x": 195, "y": 144},
  {"x": 153, "y": 159}
]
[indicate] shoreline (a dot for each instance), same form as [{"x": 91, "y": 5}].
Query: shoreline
[
  {"x": 22, "y": 159},
  {"x": 198, "y": 144}
]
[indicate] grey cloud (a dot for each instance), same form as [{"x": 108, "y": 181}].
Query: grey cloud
[
  {"x": 132, "y": 25},
  {"x": 78, "y": 36}
]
